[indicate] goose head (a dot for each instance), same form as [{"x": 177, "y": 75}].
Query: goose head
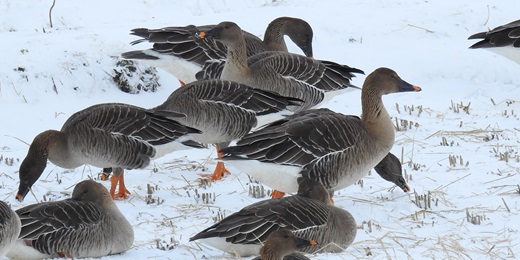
[
  {"x": 313, "y": 190},
  {"x": 89, "y": 190},
  {"x": 385, "y": 81},
  {"x": 298, "y": 30},
  {"x": 225, "y": 32},
  {"x": 390, "y": 169},
  {"x": 36, "y": 160},
  {"x": 283, "y": 242}
]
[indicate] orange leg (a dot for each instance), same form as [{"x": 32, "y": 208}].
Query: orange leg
[
  {"x": 123, "y": 192},
  {"x": 277, "y": 194},
  {"x": 220, "y": 170}
]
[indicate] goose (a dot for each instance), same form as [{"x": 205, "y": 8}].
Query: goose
[
  {"x": 320, "y": 144},
  {"x": 114, "y": 135},
  {"x": 9, "y": 228},
  {"x": 224, "y": 111},
  {"x": 182, "y": 55},
  {"x": 281, "y": 245},
  {"x": 308, "y": 214},
  {"x": 503, "y": 40},
  {"x": 288, "y": 74},
  {"x": 89, "y": 224}
]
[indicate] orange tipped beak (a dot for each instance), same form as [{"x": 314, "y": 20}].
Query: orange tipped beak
[
  {"x": 416, "y": 88},
  {"x": 202, "y": 35},
  {"x": 312, "y": 242},
  {"x": 19, "y": 197}
]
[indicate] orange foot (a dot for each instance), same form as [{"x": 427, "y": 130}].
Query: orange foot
[
  {"x": 219, "y": 172},
  {"x": 123, "y": 192},
  {"x": 277, "y": 194}
]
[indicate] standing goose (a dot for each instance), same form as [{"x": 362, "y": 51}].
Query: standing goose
[
  {"x": 503, "y": 40},
  {"x": 89, "y": 224},
  {"x": 223, "y": 111},
  {"x": 178, "y": 52},
  {"x": 9, "y": 228},
  {"x": 288, "y": 74},
  {"x": 334, "y": 149},
  {"x": 281, "y": 245},
  {"x": 106, "y": 135},
  {"x": 309, "y": 215}
]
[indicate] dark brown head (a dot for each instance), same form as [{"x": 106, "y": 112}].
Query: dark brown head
[
  {"x": 89, "y": 190},
  {"x": 390, "y": 169},
  {"x": 227, "y": 33},
  {"x": 35, "y": 162},
  {"x": 386, "y": 81},
  {"x": 298, "y": 30},
  {"x": 281, "y": 243}
]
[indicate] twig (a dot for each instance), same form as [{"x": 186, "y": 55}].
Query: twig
[
  {"x": 487, "y": 20},
  {"x": 508, "y": 210},
  {"x": 50, "y": 12},
  {"x": 415, "y": 26}
]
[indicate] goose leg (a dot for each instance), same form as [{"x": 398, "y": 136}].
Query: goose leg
[
  {"x": 118, "y": 177},
  {"x": 220, "y": 170},
  {"x": 277, "y": 194}
]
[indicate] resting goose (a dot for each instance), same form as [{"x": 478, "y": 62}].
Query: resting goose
[
  {"x": 89, "y": 224},
  {"x": 503, "y": 40},
  {"x": 281, "y": 245},
  {"x": 9, "y": 228},
  {"x": 224, "y": 111},
  {"x": 309, "y": 215},
  {"x": 288, "y": 74},
  {"x": 179, "y": 53},
  {"x": 333, "y": 148},
  {"x": 114, "y": 135}
]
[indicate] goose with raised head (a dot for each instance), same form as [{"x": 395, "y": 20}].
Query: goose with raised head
[
  {"x": 333, "y": 148},
  {"x": 282, "y": 244},
  {"x": 503, "y": 40},
  {"x": 308, "y": 214},
  {"x": 114, "y": 135},
  {"x": 288, "y": 74},
  {"x": 179, "y": 53},
  {"x": 9, "y": 228},
  {"x": 89, "y": 224},
  {"x": 224, "y": 111}
]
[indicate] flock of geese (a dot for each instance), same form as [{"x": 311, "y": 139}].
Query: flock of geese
[{"x": 236, "y": 88}]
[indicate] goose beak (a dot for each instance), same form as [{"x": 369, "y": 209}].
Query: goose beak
[
  {"x": 401, "y": 183},
  {"x": 212, "y": 33},
  {"x": 405, "y": 87},
  {"x": 300, "y": 242},
  {"x": 22, "y": 192}
]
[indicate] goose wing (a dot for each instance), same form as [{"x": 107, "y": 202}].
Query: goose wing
[
  {"x": 299, "y": 139},
  {"x": 254, "y": 223}
]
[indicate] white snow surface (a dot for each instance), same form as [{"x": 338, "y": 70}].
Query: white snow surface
[{"x": 461, "y": 150}]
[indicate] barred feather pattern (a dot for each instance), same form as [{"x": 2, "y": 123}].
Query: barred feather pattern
[
  {"x": 501, "y": 36},
  {"x": 9, "y": 228},
  {"x": 223, "y": 110},
  {"x": 333, "y": 228}
]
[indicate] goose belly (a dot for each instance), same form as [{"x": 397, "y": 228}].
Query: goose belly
[
  {"x": 509, "y": 52},
  {"x": 182, "y": 69},
  {"x": 235, "y": 249},
  {"x": 276, "y": 176}
]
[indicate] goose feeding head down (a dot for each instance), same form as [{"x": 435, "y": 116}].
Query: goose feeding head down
[
  {"x": 283, "y": 242},
  {"x": 298, "y": 30}
]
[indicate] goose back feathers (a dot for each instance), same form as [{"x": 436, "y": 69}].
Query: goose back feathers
[
  {"x": 308, "y": 215},
  {"x": 9, "y": 228}
]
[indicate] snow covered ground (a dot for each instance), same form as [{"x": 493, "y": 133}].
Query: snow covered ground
[{"x": 459, "y": 139}]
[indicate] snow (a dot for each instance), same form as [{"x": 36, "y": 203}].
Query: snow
[{"x": 464, "y": 162}]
